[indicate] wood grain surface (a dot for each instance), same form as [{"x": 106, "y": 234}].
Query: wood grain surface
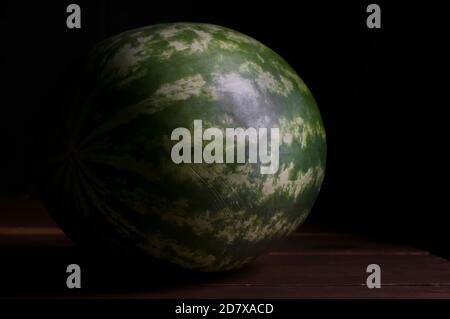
[{"x": 311, "y": 263}]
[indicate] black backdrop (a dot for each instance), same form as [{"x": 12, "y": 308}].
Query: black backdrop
[{"x": 363, "y": 80}]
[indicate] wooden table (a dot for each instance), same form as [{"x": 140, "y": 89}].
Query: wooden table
[{"x": 310, "y": 264}]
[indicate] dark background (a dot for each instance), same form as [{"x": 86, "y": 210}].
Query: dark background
[{"x": 364, "y": 81}]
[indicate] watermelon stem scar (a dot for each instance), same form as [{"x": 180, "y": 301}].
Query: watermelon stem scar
[{"x": 213, "y": 152}]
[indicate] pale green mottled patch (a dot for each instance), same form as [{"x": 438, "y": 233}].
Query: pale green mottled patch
[
  {"x": 278, "y": 225},
  {"x": 170, "y": 30},
  {"x": 170, "y": 249},
  {"x": 179, "y": 45},
  {"x": 227, "y": 45},
  {"x": 200, "y": 224},
  {"x": 198, "y": 45},
  {"x": 234, "y": 226},
  {"x": 290, "y": 74},
  {"x": 287, "y": 85},
  {"x": 298, "y": 221},
  {"x": 320, "y": 175},
  {"x": 201, "y": 44},
  {"x": 297, "y": 129},
  {"x": 291, "y": 183},
  {"x": 266, "y": 80},
  {"x": 260, "y": 58},
  {"x": 165, "y": 54},
  {"x": 249, "y": 67},
  {"x": 179, "y": 90}
]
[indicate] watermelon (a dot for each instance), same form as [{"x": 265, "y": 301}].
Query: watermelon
[{"x": 133, "y": 167}]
